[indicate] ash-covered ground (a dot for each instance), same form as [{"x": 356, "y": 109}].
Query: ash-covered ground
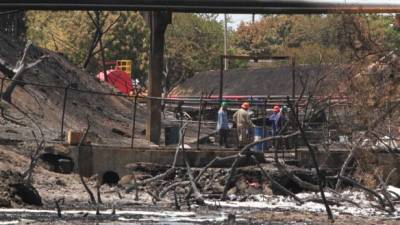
[{"x": 251, "y": 199}]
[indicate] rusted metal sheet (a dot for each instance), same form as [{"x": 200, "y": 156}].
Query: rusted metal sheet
[{"x": 227, "y": 6}]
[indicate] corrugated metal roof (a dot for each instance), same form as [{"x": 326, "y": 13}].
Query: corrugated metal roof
[{"x": 269, "y": 81}]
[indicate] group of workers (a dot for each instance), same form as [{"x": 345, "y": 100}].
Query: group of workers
[{"x": 244, "y": 125}]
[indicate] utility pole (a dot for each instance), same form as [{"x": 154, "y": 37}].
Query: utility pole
[{"x": 226, "y": 41}]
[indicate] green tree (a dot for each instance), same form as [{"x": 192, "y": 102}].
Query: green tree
[
  {"x": 62, "y": 31},
  {"x": 316, "y": 38},
  {"x": 305, "y": 37},
  {"x": 129, "y": 39},
  {"x": 72, "y": 32},
  {"x": 194, "y": 43}
]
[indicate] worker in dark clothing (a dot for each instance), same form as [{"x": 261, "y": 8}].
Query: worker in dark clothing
[
  {"x": 278, "y": 119},
  {"x": 223, "y": 125},
  {"x": 278, "y": 122},
  {"x": 274, "y": 119}
]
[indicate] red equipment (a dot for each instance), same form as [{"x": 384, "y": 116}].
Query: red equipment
[{"x": 119, "y": 79}]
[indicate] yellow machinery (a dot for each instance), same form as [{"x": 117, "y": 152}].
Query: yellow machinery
[{"x": 126, "y": 66}]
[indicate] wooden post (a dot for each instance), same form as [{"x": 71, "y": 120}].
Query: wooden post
[
  {"x": 293, "y": 78},
  {"x": 328, "y": 122},
  {"x": 159, "y": 21},
  {"x": 134, "y": 119},
  {"x": 264, "y": 116},
  {"x": 62, "y": 136}
]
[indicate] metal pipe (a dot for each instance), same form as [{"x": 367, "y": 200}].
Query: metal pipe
[
  {"x": 199, "y": 119},
  {"x": 221, "y": 79},
  {"x": 293, "y": 78},
  {"x": 225, "y": 41},
  {"x": 221, "y": 6}
]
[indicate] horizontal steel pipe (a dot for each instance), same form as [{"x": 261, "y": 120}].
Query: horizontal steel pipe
[{"x": 216, "y": 6}]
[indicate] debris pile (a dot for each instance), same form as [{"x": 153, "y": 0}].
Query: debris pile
[{"x": 38, "y": 103}]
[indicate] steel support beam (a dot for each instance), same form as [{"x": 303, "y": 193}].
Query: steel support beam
[
  {"x": 214, "y": 6},
  {"x": 159, "y": 21}
]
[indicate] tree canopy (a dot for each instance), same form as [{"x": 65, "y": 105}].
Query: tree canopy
[{"x": 194, "y": 42}]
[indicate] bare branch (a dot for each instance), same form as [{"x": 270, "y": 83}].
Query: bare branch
[
  {"x": 34, "y": 159},
  {"x": 90, "y": 193}
]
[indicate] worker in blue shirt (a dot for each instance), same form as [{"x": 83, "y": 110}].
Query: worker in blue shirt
[
  {"x": 223, "y": 125},
  {"x": 274, "y": 119}
]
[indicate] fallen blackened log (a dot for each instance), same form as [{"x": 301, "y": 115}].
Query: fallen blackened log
[
  {"x": 282, "y": 169},
  {"x": 276, "y": 184},
  {"x": 27, "y": 193}
]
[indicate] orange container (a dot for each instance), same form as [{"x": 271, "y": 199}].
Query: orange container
[{"x": 74, "y": 137}]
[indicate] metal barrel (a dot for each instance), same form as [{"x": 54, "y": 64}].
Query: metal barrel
[{"x": 260, "y": 133}]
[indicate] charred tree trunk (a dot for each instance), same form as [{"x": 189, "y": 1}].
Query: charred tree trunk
[{"x": 19, "y": 70}]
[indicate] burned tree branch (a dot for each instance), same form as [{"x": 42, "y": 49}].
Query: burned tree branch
[
  {"x": 176, "y": 201},
  {"x": 57, "y": 202},
  {"x": 19, "y": 71},
  {"x": 136, "y": 187},
  {"x": 274, "y": 182},
  {"x": 172, "y": 187},
  {"x": 385, "y": 192},
  {"x": 90, "y": 193},
  {"x": 98, "y": 194},
  {"x": 314, "y": 160},
  {"x": 389, "y": 176},
  {"x": 346, "y": 163},
  {"x": 167, "y": 173},
  {"x": 97, "y": 38},
  {"x": 355, "y": 183},
  {"x": 244, "y": 151},
  {"x": 303, "y": 184},
  {"x": 197, "y": 195},
  {"x": 229, "y": 179},
  {"x": 34, "y": 159},
  {"x": 282, "y": 169}
]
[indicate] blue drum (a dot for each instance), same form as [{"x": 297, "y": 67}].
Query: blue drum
[{"x": 260, "y": 133}]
